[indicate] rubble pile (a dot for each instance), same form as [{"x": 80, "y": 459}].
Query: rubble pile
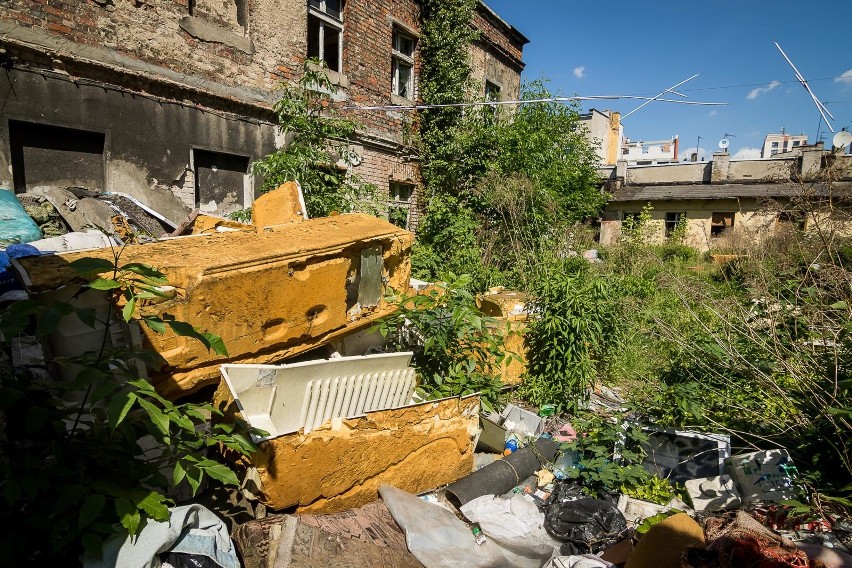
[{"x": 358, "y": 469}]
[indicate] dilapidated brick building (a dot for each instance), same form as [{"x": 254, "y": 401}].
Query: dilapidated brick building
[{"x": 170, "y": 101}]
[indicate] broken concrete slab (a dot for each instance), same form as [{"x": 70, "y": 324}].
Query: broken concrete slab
[
  {"x": 279, "y": 207},
  {"x": 269, "y": 295},
  {"x": 80, "y": 214},
  {"x": 341, "y": 464}
]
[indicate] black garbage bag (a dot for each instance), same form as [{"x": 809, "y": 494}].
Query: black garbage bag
[{"x": 585, "y": 525}]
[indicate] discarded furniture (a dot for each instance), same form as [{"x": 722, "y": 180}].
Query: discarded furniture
[
  {"x": 270, "y": 295},
  {"x": 340, "y": 463},
  {"x": 282, "y": 399}
]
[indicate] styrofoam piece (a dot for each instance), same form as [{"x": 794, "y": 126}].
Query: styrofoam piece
[
  {"x": 282, "y": 399},
  {"x": 763, "y": 476},
  {"x": 75, "y": 241},
  {"x": 635, "y": 510},
  {"x": 520, "y": 421},
  {"x": 495, "y": 427},
  {"x": 713, "y": 493}
]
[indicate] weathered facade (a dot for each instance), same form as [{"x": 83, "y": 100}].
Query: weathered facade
[
  {"x": 171, "y": 101},
  {"x": 724, "y": 198}
]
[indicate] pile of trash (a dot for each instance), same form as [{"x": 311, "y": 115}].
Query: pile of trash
[{"x": 524, "y": 507}]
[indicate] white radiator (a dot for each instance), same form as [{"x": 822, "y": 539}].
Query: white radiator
[{"x": 287, "y": 398}]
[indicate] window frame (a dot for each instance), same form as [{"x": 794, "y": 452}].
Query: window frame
[
  {"x": 324, "y": 19},
  {"x": 671, "y": 225},
  {"x": 400, "y": 58}
]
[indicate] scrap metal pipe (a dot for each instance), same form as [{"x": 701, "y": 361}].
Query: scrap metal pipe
[{"x": 502, "y": 475}]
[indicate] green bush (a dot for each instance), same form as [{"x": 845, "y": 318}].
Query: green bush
[
  {"x": 458, "y": 350},
  {"x": 674, "y": 252},
  {"x": 573, "y": 314},
  {"x": 73, "y": 471}
]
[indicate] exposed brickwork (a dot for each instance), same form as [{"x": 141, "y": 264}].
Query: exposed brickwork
[
  {"x": 151, "y": 32},
  {"x": 254, "y": 45}
]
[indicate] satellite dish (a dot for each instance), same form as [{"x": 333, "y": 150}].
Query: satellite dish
[
  {"x": 724, "y": 143},
  {"x": 842, "y": 139}
]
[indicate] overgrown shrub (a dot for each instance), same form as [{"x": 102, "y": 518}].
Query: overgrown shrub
[
  {"x": 316, "y": 139},
  {"x": 572, "y": 315},
  {"x": 458, "y": 350},
  {"x": 83, "y": 459}
]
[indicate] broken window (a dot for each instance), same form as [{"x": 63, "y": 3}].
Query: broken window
[
  {"x": 492, "y": 91},
  {"x": 673, "y": 219},
  {"x": 325, "y": 32},
  {"x": 51, "y": 155},
  {"x": 220, "y": 181},
  {"x": 721, "y": 222},
  {"x": 401, "y": 195},
  {"x": 402, "y": 65}
]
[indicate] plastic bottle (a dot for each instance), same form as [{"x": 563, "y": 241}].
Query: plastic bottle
[
  {"x": 511, "y": 444},
  {"x": 564, "y": 463}
]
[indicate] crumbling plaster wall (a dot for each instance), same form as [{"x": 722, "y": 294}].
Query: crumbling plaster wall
[
  {"x": 752, "y": 219},
  {"x": 148, "y": 143},
  {"x": 381, "y": 168},
  {"x": 495, "y": 56}
]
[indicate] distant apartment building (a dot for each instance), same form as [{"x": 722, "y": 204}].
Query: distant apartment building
[
  {"x": 781, "y": 142},
  {"x": 604, "y": 131},
  {"x": 171, "y": 101},
  {"x": 724, "y": 198},
  {"x": 650, "y": 152}
]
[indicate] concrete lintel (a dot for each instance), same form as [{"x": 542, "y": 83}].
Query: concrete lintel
[{"x": 205, "y": 31}]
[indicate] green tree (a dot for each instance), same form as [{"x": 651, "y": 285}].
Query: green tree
[{"x": 317, "y": 149}]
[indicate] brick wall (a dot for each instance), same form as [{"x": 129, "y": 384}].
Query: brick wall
[
  {"x": 496, "y": 55},
  {"x": 247, "y": 47},
  {"x": 151, "y": 31}
]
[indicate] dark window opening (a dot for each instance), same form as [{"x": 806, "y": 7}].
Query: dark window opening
[
  {"x": 55, "y": 156},
  {"x": 242, "y": 13},
  {"x": 673, "y": 219},
  {"x": 325, "y": 32},
  {"x": 220, "y": 180},
  {"x": 492, "y": 91},
  {"x": 721, "y": 222},
  {"x": 402, "y": 65},
  {"x": 399, "y": 212}
]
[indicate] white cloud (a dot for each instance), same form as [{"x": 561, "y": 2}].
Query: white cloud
[
  {"x": 760, "y": 90},
  {"x": 746, "y": 154},
  {"x": 580, "y": 72},
  {"x": 846, "y": 77},
  {"x": 712, "y": 113}
]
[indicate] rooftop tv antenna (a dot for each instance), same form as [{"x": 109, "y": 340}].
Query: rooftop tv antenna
[
  {"x": 669, "y": 90},
  {"x": 820, "y": 107},
  {"x": 724, "y": 143}
]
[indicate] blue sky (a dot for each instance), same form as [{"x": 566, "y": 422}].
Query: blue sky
[{"x": 641, "y": 48}]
